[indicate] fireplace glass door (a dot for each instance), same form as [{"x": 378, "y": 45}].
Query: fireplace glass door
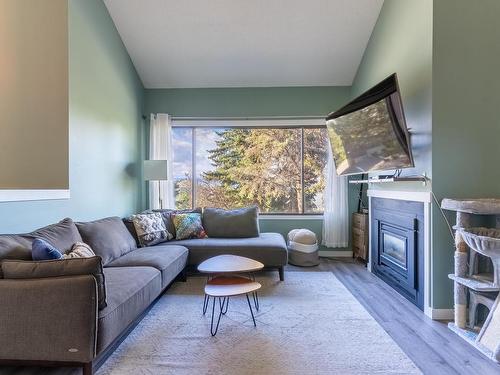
[{"x": 394, "y": 249}]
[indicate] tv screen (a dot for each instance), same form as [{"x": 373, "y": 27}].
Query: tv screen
[{"x": 369, "y": 134}]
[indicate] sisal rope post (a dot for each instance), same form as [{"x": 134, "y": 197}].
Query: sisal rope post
[{"x": 461, "y": 270}]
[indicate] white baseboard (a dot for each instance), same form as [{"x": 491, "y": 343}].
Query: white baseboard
[
  {"x": 335, "y": 254},
  {"x": 440, "y": 314}
]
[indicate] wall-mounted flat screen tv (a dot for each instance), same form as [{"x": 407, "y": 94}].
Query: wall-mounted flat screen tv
[{"x": 369, "y": 134}]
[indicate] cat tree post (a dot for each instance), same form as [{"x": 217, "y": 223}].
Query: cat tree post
[{"x": 461, "y": 270}]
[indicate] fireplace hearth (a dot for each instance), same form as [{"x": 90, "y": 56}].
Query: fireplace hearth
[{"x": 397, "y": 246}]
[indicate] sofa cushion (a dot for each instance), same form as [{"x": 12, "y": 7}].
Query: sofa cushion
[
  {"x": 130, "y": 290},
  {"x": 109, "y": 238},
  {"x": 18, "y": 246},
  {"x": 239, "y": 223},
  {"x": 21, "y": 269},
  {"x": 62, "y": 235},
  {"x": 15, "y": 246},
  {"x": 169, "y": 260},
  {"x": 268, "y": 248}
]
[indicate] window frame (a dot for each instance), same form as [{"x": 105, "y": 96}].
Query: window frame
[{"x": 252, "y": 123}]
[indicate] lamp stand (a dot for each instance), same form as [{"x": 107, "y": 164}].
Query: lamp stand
[{"x": 159, "y": 195}]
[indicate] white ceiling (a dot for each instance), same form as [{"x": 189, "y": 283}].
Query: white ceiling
[{"x": 245, "y": 43}]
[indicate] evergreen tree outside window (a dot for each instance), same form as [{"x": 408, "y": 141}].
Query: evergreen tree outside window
[{"x": 278, "y": 169}]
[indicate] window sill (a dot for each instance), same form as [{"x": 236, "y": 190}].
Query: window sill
[
  {"x": 290, "y": 217},
  {"x": 33, "y": 195}
]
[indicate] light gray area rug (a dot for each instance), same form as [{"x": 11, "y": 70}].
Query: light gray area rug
[{"x": 308, "y": 324}]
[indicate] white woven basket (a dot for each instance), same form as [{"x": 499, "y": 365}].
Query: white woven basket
[{"x": 303, "y": 248}]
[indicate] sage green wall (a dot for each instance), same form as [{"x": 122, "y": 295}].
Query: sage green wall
[
  {"x": 105, "y": 127},
  {"x": 252, "y": 102},
  {"x": 401, "y": 43},
  {"x": 466, "y": 124},
  {"x": 243, "y": 102}
]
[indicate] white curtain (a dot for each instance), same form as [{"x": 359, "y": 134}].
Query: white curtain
[
  {"x": 160, "y": 148},
  {"x": 336, "y": 214}
]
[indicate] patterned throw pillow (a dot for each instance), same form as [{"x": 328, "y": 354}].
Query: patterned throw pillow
[
  {"x": 150, "y": 229},
  {"x": 80, "y": 250},
  {"x": 188, "y": 226}
]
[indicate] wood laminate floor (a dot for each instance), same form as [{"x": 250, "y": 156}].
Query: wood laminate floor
[{"x": 430, "y": 344}]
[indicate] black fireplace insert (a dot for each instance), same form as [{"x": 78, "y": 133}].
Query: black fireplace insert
[{"x": 397, "y": 251}]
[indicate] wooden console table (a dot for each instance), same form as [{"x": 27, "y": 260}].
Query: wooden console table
[{"x": 360, "y": 228}]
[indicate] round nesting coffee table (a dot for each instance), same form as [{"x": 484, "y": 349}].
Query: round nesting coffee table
[{"x": 229, "y": 276}]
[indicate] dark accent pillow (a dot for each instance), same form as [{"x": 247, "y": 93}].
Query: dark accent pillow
[
  {"x": 62, "y": 235},
  {"x": 168, "y": 218},
  {"x": 43, "y": 250},
  {"x": 129, "y": 224},
  {"x": 238, "y": 223},
  {"x": 20, "y": 269},
  {"x": 109, "y": 238}
]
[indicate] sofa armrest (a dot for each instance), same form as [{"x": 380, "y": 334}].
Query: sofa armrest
[{"x": 48, "y": 319}]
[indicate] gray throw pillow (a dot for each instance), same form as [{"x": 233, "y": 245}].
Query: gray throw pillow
[
  {"x": 150, "y": 229},
  {"x": 19, "y": 269},
  {"x": 109, "y": 238},
  {"x": 238, "y": 223}
]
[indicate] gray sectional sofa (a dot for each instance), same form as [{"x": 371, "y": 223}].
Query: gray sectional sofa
[{"x": 56, "y": 321}]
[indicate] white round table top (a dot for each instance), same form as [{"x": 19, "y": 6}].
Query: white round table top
[
  {"x": 229, "y": 264},
  {"x": 227, "y": 286}
]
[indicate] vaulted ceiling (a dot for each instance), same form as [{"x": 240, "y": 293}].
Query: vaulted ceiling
[{"x": 245, "y": 43}]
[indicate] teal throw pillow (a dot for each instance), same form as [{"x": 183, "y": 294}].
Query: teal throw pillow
[{"x": 188, "y": 226}]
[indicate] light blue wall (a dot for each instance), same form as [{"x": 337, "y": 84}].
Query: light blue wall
[
  {"x": 105, "y": 126},
  {"x": 252, "y": 102}
]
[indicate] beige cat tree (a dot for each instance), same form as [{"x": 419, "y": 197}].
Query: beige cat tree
[{"x": 476, "y": 284}]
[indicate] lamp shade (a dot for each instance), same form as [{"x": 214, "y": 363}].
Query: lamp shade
[{"x": 155, "y": 170}]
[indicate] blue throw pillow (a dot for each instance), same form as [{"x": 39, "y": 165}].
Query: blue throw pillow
[{"x": 42, "y": 250}]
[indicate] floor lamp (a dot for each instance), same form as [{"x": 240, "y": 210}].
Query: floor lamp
[{"x": 156, "y": 170}]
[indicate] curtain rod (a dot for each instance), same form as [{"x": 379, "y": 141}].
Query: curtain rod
[{"x": 207, "y": 118}]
